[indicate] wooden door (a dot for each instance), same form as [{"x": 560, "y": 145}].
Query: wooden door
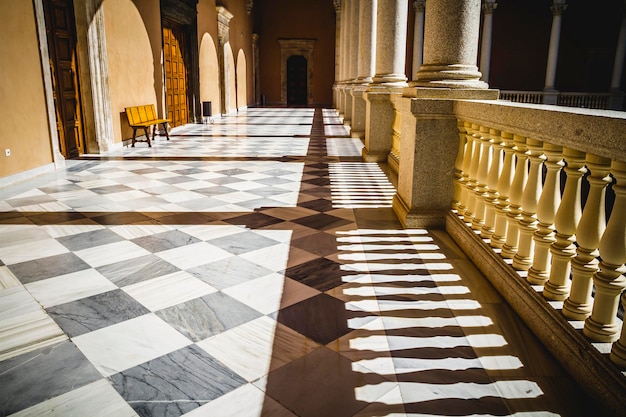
[
  {"x": 61, "y": 34},
  {"x": 175, "y": 74}
]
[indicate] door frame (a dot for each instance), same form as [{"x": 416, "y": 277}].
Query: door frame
[{"x": 290, "y": 47}]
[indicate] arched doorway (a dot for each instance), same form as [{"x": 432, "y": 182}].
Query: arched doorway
[{"x": 297, "y": 93}]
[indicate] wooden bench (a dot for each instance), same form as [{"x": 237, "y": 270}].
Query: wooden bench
[{"x": 143, "y": 117}]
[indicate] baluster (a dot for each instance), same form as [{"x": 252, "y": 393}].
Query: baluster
[
  {"x": 528, "y": 223},
  {"x": 491, "y": 199},
  {"x": 588, "y": 234},
  {"x": 459, "y": 178},
  {"x": 565, "y": 222},
  {"x": 467, "y": 163},
  {"x": 472, "y": 184},
  {"x": 546, "y": 210},
  {"x": 517, "y": 188},
  {"x": 504, "y": 186},
  {"x": 483, "y": 170},
  {"x": 609, "y": 281},
  {"x": 618, "y": 351}
]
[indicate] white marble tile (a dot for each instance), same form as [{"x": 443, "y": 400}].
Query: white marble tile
[
  {"x": 15, "y": 301},
  {"x": 190, "y": 256},
  {"x": 71, "y": 228},
  {"x": 7, "y": 279},
  {"x": 181, "y": 196},
  {"x": 130, "y": 343},
  {"x": 212, "y": 231},
  {"x": 65, "y": 288},
  {"x": 98, "y": 399},
  {"x": 23, "y": 235},
  {"x": 133, "y": 231},
  {"x": 273, "y": 257},
  {"x": 278, "y": 292},
  {"x": 127, "y": 195},
  {"x": 27, "y": 331},
  {"x": 245, "y": 401},
  {"x": 255, "y": 348},
  {"x": 111, "y": 253},
  {"x": 31, "y": 250},
  {"x": 168, "y": 290}
]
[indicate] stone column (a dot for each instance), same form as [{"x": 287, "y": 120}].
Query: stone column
[
  {"x": 338, "y": 31},
  {"x": 345, "y": 54},
  {"x": 418, "y": 36},
  {"x": 223, "y": 29},
  {"x": 485, "y": 47},
  {"x": 389, "y": 79},
  {"x": 429, "y": 136},
  {"x": 558, "y": 7},
  {"x": 353, "y": 64},
  {"x": 366, "y": 68},
  {"x": 616, "y": 102}
]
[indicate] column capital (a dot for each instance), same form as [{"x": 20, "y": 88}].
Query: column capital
[
  {"x": 419, "y": 6},
  {"x": 558, "y": 7},
  {"x": 223, "y": 22},
  {"x": 489, "y": 6}
]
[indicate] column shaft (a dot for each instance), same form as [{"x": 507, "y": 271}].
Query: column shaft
[{"x": 418, "y": 37}]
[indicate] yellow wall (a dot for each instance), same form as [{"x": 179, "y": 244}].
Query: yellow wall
[
  {"x": 24, "y": 128},
  {"x": 133, "y": 37}
]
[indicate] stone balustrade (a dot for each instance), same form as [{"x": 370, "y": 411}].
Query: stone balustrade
[
  {"x": 521, "y": 172},
  {"x": 566, "y": 99}
]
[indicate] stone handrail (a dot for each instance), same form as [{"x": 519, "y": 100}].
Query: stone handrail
[{"x": 566, "y": 99}]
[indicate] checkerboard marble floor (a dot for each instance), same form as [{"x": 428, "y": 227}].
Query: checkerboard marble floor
[{"x": 250, "y": 267}]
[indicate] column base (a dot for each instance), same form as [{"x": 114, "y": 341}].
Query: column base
[
  {"x": 414, "y": 219},
  {"x": 368, "y": 156},
  {"x": 419, "y": 91}
]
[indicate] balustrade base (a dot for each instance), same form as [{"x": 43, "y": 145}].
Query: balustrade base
[{"x": 591, "y": 370}]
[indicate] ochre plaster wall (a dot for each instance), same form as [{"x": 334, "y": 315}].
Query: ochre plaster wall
[
  {"x": 133, "y": 35},
  {"x": 296, "y": 19},
  {"x": 24, "y": 128}
]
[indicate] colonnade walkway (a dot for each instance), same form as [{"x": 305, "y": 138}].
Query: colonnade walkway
[{"x": 250, "y": 267}]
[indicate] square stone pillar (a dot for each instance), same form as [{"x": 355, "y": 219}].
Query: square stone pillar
[
  {"x": 428, "y": 150},
  {"x": 358, "y": 111},
  {"x": 379, "y": 112},
  {"x": 347, "y": 110}
]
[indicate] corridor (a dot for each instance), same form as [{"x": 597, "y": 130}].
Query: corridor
[{"x": 250, "y": 267}]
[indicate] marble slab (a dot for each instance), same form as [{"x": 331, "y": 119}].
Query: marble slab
[
  {"x": 207, "y": 316},
  {"x": 191, "y": 256},
  {"x": 229, "y": 272},
  {"x": 42, "y": 374},
  {"x": 258, "y": 347},
  {"x": 124, "y": 345},
  {"x": 168, "y": 290},
  {"x": 65, "y": 288},
  {"x": 98, "y": 399},
  {"x": 245, "y": 401},
  {"x": 176, "y": 383},
  {"x": 132, "y": 271},
  {"x": 111, "y": 253},
  {"x": 95, "y": 312},
  {"x": 48, "y": 267},
  {"x": 278, "y": 292}
]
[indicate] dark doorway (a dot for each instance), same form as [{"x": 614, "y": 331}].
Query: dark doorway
[
  {"x": 61, "y": 34},
  {"x": 297, "y": 93}
]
